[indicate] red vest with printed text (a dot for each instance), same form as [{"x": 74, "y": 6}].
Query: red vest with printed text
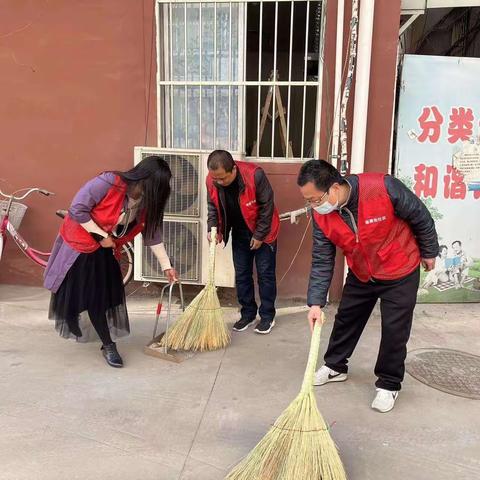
[
  {"x": 105, "y": 214},
  {"x": 248, "y": 201},
  {"x": 384, "y": 247}
]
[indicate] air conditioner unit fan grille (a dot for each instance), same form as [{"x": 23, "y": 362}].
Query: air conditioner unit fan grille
[
  {"x": 182, "y": 242},
  {"x": 184, "y": 200}
]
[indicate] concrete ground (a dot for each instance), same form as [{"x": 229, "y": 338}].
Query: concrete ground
[{"x": 64, "y": 414}]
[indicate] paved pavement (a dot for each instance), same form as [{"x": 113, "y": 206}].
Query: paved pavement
[{"x": 64, "y": 414}]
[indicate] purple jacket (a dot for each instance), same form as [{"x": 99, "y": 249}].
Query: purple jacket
[{"x": 63, "y": 256}]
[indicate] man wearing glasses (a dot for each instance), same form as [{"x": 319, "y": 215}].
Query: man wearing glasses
[{"x": 385, "y": 232}]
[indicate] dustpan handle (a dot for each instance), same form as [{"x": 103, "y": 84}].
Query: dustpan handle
[
  {"x": 313, "y": 355},
  {"x": 211, "y": 260}
]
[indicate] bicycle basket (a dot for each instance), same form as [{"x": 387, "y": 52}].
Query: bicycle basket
[{"x": 17, "y": 211}]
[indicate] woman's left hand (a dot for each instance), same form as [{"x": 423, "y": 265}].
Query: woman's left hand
[
  {"x": 107, "y": 242},
  {"x": 172, "y": 275}
]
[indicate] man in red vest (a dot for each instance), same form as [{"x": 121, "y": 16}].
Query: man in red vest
[
  {"x": 240, "y": 200},
  {"x": 385, "y": 232}
]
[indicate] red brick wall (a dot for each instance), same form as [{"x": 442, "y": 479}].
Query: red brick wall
[{"x": 73, "y": 100}]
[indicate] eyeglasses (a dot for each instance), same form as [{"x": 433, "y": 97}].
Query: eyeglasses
[{"x": 316, "y": 203}]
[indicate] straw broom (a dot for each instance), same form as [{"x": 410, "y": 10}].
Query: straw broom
[
  {"x": 201, "y": 327},
  {"x": 299, "y": 445}
]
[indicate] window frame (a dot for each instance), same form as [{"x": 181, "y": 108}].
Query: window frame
[{"x": 163, "y": 49}]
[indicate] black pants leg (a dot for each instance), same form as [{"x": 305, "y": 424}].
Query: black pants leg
[
  {"x": 397, "y": 305},
  {"x": 358, "y": 301},
  {"x": 265, "y": 261},
  {"x": 243, "y": 262},
  {"x": 100, "y": 324}
]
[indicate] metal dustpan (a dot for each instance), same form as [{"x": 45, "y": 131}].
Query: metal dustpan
[{"x": 153, "y": 348}]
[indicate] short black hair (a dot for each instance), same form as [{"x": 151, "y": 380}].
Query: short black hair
[
  {"x": 321, "y": 173},
  {"x": 220, "y": 159},
  {"x": 442, "y": 247},
  {"x": 457, "y": 241}
]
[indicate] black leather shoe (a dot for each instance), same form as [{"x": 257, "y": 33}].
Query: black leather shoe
[{"x": 112, "y": 356}]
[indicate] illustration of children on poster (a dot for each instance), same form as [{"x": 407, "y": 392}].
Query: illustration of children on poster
[{"x": 438, "y": 157}]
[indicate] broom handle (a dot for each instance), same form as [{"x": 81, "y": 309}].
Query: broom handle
[
  {"x": 313, "y": 356},
  {"x": 211, "y": 261}
]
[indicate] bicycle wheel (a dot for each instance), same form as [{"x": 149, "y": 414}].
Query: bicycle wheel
[{"x": 126, "y": 263}]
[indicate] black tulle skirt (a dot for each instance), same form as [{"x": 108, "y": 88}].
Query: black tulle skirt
[{"x": 91, "y": 291}]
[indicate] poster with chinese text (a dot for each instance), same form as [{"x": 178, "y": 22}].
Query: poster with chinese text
[{"x": 438, "y": 157}]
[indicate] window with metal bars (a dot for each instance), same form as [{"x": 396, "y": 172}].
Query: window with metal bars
[{"x": 240, "y": 75}]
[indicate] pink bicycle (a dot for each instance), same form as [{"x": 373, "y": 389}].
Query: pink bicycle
[{"x": 11, "y": 215}]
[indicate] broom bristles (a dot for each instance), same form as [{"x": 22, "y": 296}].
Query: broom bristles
[
  {"x": 201, "y": 327},
  {"x": 299, "y": 445}
]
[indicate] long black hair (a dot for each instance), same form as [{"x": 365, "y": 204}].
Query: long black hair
[{"x": 153, "y": 175}]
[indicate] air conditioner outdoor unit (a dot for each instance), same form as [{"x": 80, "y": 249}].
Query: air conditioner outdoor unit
[{"x": 185, "y": 224}]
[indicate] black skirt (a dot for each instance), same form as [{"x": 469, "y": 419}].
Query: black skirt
[{"x": 92, "y": 289}]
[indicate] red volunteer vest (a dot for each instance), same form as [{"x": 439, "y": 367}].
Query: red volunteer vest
[
  {"x": 248, "y": 201},
  {"x": 385, "y": 247},
  {"x": 105, "y": 214}
]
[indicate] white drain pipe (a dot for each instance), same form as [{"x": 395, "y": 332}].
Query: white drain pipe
[{"x": 362, "y": 85}]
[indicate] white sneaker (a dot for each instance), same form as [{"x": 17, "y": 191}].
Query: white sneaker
[
  {"x": 385, "y": 400},
  {"x": 326, "y": 375}
]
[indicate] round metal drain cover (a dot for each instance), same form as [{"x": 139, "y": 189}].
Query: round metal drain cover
[{"x": 450, "y": 371}]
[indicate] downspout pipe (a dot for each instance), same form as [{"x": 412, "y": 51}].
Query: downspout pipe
[{"x": 362, "y": 85}]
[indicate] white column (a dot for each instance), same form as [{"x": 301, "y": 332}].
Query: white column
[{"x": 362, "y": 85}]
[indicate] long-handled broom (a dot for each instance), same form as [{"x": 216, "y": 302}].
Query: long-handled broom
[
  {"x": 299, "y": 445},
  {"x": 201, "y": 327}
]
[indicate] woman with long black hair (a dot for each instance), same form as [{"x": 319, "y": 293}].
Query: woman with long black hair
[{"x": 83, "y": 273}]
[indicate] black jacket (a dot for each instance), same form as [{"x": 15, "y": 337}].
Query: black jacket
[
  {"x": 407, "y": 206},
  {"x": 265, "y": 202}
]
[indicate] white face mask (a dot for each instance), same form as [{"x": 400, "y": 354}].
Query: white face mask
[{"x": 326, "y": 208}]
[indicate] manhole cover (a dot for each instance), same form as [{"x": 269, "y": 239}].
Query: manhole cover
[{"x": 450, "y": 371}]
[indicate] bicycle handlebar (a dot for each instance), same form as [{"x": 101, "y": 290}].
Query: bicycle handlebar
[
  {"x": 28, "y": 191},
  {"x": 292, "y": 216}
]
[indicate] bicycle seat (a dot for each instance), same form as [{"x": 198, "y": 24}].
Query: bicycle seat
[{"x": 61, "y": 213}]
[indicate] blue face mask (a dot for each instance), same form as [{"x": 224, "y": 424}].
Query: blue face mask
[{"x": 326, "y": 208}]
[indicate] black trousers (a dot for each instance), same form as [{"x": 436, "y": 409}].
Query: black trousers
[
  {"x": 397, "y": 302},
  {"x": 265, "y": 261}
]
